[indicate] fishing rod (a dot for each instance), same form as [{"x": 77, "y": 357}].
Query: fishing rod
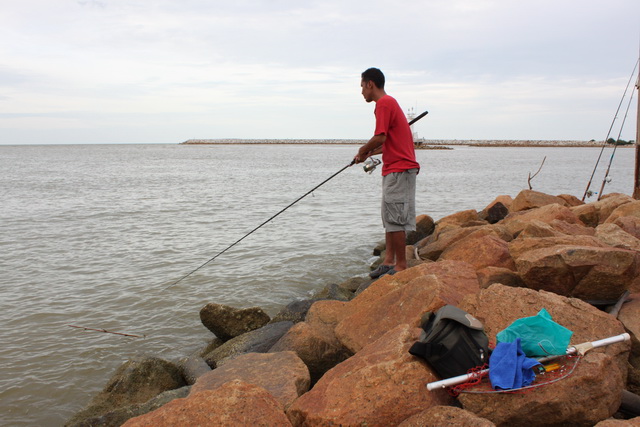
[
  {"x": 368, "y": 168},
  {"x": 606, "y": 175},
  {"x": 604, "y": 144}
]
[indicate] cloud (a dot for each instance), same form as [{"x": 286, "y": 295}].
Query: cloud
[{"x": 290, "y": 69}]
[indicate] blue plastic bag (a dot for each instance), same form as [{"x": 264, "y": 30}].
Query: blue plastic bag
[{"x": 539, "y": 335}]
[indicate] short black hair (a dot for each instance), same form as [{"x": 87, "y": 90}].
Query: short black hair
[{"x": 374, "y": 75}]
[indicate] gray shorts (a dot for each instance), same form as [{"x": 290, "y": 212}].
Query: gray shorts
[{"x": 399, "y": 201}]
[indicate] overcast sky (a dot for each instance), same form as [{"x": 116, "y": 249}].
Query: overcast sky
[{"x": 164, "y": 71}]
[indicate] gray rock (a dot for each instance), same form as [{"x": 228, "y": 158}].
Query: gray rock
[
  {"x": 135, "y": 382},
  {"x": 354, "y": 283},
  {"x": 333, "y": 292},
  {"x": 193, "y": 367},
  {"x": 258, "y": 341},
  {"x": 120, "y": 416},
  {"x": 228, "y": 322},
  {"x": 294, "y": 312}
]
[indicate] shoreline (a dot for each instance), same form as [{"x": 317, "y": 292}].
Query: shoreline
[{"x": 422, "y": 144}]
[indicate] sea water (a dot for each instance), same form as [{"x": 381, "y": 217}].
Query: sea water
[{"x": 97, "y": 235}]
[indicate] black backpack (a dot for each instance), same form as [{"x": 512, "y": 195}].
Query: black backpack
[{"x": 452, "y": 341}]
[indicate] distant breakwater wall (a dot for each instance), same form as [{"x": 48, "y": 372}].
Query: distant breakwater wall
[{"x": 420, "y": 143}]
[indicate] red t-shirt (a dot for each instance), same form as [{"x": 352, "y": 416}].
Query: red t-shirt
[{"x": 398, "y": 153}]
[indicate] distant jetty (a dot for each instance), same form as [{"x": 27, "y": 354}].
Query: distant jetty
[{"x": 422, "y": 143}]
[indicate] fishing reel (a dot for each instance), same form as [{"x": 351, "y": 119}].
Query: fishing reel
[{"x": 370, "y": 165}]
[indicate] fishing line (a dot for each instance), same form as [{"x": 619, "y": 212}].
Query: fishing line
[
  {"x": 274, "y": 216},
  {"x": 604, "y": 144},
  {"x": 606, "y": 175}
]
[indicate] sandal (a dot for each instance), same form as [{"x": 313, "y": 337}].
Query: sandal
[{"x": 382, "y": 269}]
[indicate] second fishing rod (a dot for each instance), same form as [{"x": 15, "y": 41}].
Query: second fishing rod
[{"x": 369, "y": 166}]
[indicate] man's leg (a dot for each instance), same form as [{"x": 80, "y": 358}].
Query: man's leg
[{"x": 396, "y": 248}]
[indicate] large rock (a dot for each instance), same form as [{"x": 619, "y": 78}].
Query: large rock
[
  {"x": 235, "y": 403},
  {"x": 497, "y": 210},
  {"x": 135, "y": 382},
  {"x": 520, "y": 246},
  {"x": 282, "y": 374},
  {"x": 554, "y": 228},
  {"x": 596, "y": 213},
  {"x": 517, "y": 221},
  {"x": 404, "y": 298},
  {"x": 630, "y": 224},
  {"x": 461, "y": 219},
  {"x": 530, "y": 199},
  {"x": 314, "y": 340},
  {"x": 599, "y": 376},
  {"x": 590, "y": 394},
  {"x": 590, "y": 273},
  {"x": 228, "y": 322},
  {"x": 119, "y": 416},
  {"x": 381, "y": 385},
  {"x": 439, "y": 416},
  {"x": 433, "y": 246},
  {"x": 630, "y": 317},
  {"x": 424, "y": 227},
  {"x": 489, "y": 275},
  {"x": 258, "y": 341},
  {"x": 480, "y": 252},
  {"x": 192, "y": 367},
  {"x": 613, "y": 235},
  {"x": 294, "y": 312},
  {"x": 571, "y": 200},
  {"x": 333, "y": 292},
  {"x": 630, "y": 209}
]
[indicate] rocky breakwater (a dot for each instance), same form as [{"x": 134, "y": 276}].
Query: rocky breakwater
[{"x": 341, "y": 358}]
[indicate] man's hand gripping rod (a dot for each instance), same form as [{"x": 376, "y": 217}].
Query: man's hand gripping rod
[{"x": 375, "y": 162}]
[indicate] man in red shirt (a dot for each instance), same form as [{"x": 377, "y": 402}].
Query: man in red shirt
[{"x": 392, "y": 138}]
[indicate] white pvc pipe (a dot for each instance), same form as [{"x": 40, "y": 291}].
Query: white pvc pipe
[{"x": 448, "y": 382}]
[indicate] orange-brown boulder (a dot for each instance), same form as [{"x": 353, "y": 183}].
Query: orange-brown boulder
[
  {"x": 571, "y": 229},
  {"x": 592, "y": 214},
  {"x": 630, "y": 317},
  {"x": 498, "y": 306},
  {"x": 460, "y": 218},
  {"x": 404, "y": 298},
  {"x": 613, "y": 235},
  {"x": 235, "y": 403},
  {"x": 631, "y": 209},
  {"x": 590, "y": 273},
  {"x": 630, "y": 224},
  {"x": 489, "y": 275},
  {"x": 571, "y": 200},
  {"x": 314, "y": 340},
  {"x": 283, "y": 374},
  {"x": 522, "y": 245},
  {"x": 599, "y": 376},
  {"x": 517, "y": 221},
  {"x": 439, "y": 416},
  {"x": 481, "y": 252},
  {"x": 381, "y": 385},
  {"x": 424, "y": 227},
  {"x": 497, "y": 210},
  {"x": 530, "y": 199},
  {"x": 432, "y": 247},
  {"x": 537, "y": 228},
  {"x": 555, "y": 228}
]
